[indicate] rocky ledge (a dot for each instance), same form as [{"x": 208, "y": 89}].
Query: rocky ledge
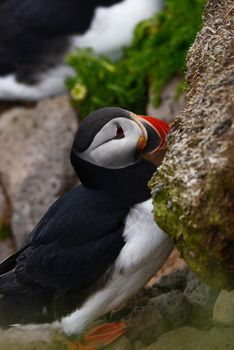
[{"x": 177, "y": 312}]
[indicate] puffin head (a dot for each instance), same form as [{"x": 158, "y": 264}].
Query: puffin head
[
  {"x": 111, "y": 147},
  {"x": 115, "y": 138}
]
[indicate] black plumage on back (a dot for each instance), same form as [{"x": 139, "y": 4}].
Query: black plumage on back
[{"x": 71, "y": 252}]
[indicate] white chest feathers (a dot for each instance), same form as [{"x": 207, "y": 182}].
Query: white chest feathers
[
  {"x": 146, "y": 249},
  {"x": 145, "y": 241}
]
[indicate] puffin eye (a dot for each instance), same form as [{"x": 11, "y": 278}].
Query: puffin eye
[{"x": 119, "y": 133}]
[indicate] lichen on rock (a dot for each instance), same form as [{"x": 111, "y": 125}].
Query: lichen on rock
[{"x": 193, "y": 190}]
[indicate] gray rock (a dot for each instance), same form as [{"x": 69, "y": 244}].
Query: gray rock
[
  {"x": 169, "y": 105},
  {"x": 201, "y": 298},
  {"x": 224, "y": 308},
  {"x": 198, "y": 293},
  {"x": 34, "y": 153},
  {"x": 173, "y": 280},
  {"x": 153, "y": 291},
  {"x": 145, "y": 324},
  {"x": 187, "y": 338},
  {"x": 174, "y": 307}
]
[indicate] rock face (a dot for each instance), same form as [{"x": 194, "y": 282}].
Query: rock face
[
  {"x": 174, "y": 303},
  {"x": 174, "y": 307},
  {"x": 193, "y": 190},
  {"x": 188, "y": 338},
  {"x": 34, "y": 152},
  {"x": 224, "y": 309},
  {"x": 176, "y": 300}
]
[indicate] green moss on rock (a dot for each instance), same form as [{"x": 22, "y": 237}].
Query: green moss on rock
[{"x": 193, "y": 190}]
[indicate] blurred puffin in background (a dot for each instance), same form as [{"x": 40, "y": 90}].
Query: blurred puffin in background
[
  {"x": 36, "y": 36},
  {"x": 98, "y": 244}
]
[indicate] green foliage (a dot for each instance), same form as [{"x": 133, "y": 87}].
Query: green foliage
[
  {"x": 157, "y": 53},
  {"x": 100, "y": 82}
]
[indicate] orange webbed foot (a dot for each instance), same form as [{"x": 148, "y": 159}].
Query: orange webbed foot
[{"x": 99, "y": 337}]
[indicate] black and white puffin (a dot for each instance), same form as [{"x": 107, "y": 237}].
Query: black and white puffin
[
  {"x": 98, "y": 244},
  {"x": 37, "y": 35}
]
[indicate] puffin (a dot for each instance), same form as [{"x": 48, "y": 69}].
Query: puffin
[
  {"x": 37, "y": 35},
  {"x": 98, "y": 244}
]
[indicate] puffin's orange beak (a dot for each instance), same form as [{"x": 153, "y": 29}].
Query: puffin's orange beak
[
  {"x": 154, "y": 133},
  {"x": 153, "y": 141},
  {"x": 160, "y": 127}
]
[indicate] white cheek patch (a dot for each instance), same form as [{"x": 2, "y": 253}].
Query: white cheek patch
[{"x": 108, "y": 152}]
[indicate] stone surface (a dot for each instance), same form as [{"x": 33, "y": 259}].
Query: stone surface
[
  {"x": 14, "y": 336},
  {"x": 15, "y": 339},
  {"x": 193, "y": 189},
  {"x": 174, "y": 280},
  {"x": 187, "y": 338},
  {"x": 224, "y": 308},
  {"x": 201, "y": 298},
  {"x": 145, "y": 324},
  {"x": 122, "y": 343},
  {"x": 198, "y": 293},
  {"x": 138, "y": 345},
  {"x": 169, "y": 106},
  {"x": 34, "y": 153},
  {"x": 174, "y": 308}
]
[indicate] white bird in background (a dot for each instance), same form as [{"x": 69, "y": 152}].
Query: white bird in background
[{"x": 37, "y": 35}]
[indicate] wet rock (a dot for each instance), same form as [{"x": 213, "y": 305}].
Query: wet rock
[
  {"x": 34, "y": 153},
  {"x": 188, "y": 338},
  {"x": 174, "y": 307},
  {"x": 224, "y": 308}
]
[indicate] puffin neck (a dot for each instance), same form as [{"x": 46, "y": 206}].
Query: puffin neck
[{"x": 128, "y": 183}]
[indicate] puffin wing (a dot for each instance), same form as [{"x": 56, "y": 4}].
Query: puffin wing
[{"x": 73, "y": 245}]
